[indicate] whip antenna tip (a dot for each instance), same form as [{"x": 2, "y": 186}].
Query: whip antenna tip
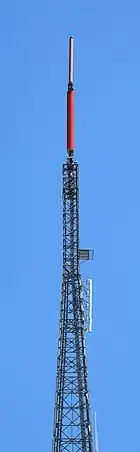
[{"x": 71, "y": 59}]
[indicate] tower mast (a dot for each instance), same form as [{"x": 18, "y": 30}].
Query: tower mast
[{"x": 72, "y": 424}]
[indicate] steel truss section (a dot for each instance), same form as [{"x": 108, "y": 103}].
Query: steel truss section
[{"x": 72, "y": 426}]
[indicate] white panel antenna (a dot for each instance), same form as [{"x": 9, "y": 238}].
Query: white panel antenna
[{"x": 86, "y": 297}]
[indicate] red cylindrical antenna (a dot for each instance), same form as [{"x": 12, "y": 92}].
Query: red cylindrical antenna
[{"x": 70, "y": 102}]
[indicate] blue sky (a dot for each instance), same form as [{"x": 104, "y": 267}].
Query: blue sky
[{"x": 33, "y": 82}]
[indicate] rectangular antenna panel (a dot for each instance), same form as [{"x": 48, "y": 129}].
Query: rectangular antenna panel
[
  {"x": 86, "y": 255},
  {"x": 89, "y": 304},
  {"x": 86, "y": 297}
]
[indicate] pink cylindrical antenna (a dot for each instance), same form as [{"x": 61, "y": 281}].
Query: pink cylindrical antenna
[{"x": 71, "y": 60}]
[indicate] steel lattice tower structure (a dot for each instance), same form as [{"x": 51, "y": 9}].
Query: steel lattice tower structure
[{"x": 72, "y": 423}]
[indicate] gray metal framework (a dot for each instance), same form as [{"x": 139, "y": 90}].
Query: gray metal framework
[{"x": 72, "y": 426}]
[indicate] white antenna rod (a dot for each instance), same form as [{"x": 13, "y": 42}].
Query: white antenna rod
[
  {"x": 96, "y": 434},
  {"x": 90, "y": 307},
  {"x": 71, "y": 60}
]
